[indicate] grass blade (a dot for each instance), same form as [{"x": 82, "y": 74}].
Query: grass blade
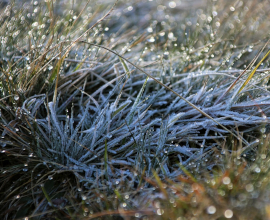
[{"x": 253, "y": 71}]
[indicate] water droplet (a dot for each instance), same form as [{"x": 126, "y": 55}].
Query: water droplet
[
  {"x": 162, "y": 33},
  {"x": 249, "y": 187},
  {"x": 172, "y": 4},
  {"x": 231, "y": 26},
  {"x": 50, "y": 177},
  {"x": 172, "y": 200},
  {"x": 211, "y": 210},
  {"x": 263, "y": 130},
  {"x": 160, "y": 211},
  {"x": 214, "y": 13},
  {"x": 84, "y": 197},
  {"x": 130, "y": 8},
  {"x": 157, "y": 204},
  {"x": 228, "y": 213},
  {"x": 137, "y": 215},
  {"x": 151, "y": 39},
  {"x": 257, "y": 170},
  {"x": 170, "y": 35},
  {"x": 150, "y": 29},
  {"x": 166, "y": 53},
  {"x": 16, "y": 97},
  {"x": 35, "y": 24}
]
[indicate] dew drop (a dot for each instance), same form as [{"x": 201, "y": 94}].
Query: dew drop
[
  {"x": 170, "y": 35},
  {"x": 228, "y": 213},
  {"x": 151, "y": 39},
  {"x": 137, "y": 215},
  {"x": 249, "y": 187},
  {"x": 172, "y": 4},
  {"x": 257, "y": 170},
  {"x": 211, "y": 210},
  {"x": 162, "y": 33},
  {"x": 263, "y": 130},
  {"x": 160, "y": 211},
  {"x": 172, "y": 200},
  {"x": 150, "y": 29},
  {"x": 35, "y": 24}
]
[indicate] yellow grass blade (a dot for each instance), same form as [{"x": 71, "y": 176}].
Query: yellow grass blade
[{"x": 253, "y": 71}]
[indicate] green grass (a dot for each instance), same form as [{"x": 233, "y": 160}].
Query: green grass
[{"x": 134, "y": 110}]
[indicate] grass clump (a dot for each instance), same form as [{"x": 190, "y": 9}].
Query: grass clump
[{"x": 133, "y": 110}]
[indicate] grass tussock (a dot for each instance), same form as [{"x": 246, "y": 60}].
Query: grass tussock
[{"x": 139, "y": 110}]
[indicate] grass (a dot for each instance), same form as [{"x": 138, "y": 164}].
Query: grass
[{"x": 134, "y": 110}]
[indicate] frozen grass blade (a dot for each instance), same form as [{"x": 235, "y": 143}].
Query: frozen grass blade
[
  {"x": 134, "y": 107},
  {"x": 168, "y": 88}
]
